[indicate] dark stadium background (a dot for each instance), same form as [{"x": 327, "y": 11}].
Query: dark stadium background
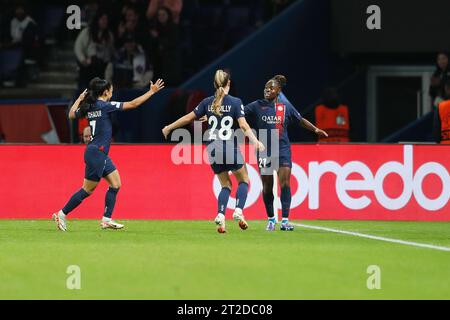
[{"x": 315, "y": 43}]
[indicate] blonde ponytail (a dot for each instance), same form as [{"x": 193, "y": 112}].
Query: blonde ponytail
[{"x": 221, "y": 80}]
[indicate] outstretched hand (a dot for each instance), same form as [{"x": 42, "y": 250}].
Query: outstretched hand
[
  {"x": 321, "y": 133},
  {"x": 155, "y": 87},
  {"x": 166, "y": 132}
]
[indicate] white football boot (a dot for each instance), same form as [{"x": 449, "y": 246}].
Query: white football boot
[
  {"x": 239, "y": 217},
  {"x": 220, "y": 222},
  {"x": 60, "y": 220},
  {"x": 108, "y": 223}
]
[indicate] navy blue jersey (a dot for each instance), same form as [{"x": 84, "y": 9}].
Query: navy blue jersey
[
  {"x": 270, "y": 116},
  {"x": 221, "y": 128},
  {"x": 99, "y": 118}
]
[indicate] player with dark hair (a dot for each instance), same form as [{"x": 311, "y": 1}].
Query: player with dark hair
[
  {"x": 223, "y": 111},
  {"x": 272, "y": 114},
  {"x": 94, "y": 104}
]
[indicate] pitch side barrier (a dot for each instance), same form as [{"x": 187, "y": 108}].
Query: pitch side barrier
[{"x": 329, "y": 181}]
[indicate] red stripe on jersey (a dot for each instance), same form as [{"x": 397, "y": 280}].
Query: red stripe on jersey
[{"x": 280, "y": 113}]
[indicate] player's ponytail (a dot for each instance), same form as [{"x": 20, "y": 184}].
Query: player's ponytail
[
  {"x": 97, "y": 88},
  {"x": 221, "y": 80},
  {"x": 281, "y": 80}
]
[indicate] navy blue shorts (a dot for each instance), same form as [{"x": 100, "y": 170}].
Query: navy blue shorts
[
  {"x": 268, "y": 164},
  {"x": 98, "y": 164},
  {"x": 222, "y": 162}
]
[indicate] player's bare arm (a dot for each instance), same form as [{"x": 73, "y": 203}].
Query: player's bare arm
[
  {"x": 243, "y": 124},
  {"x": 76, "y": 104},
  {"x": 309, "y": 126},
  {"x": 154, "y": 88},
  {"x": 183, "y": 121}
]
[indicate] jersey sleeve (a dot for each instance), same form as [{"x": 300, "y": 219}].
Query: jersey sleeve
[
  {"x": 292, "y": 113},
  {"x": 248, "y": 109},
  {"x": 114, "y": 106},
  {"x": 200, "y": 110},
  {"x": 239, "y": 109}
]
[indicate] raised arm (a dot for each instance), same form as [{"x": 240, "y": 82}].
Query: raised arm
[
  {"x": 309, "y": 126},
  {"x": 183, "y": 121},
  {"x": 243, "y": 124},
  {"x": 76, "y": 104},
  {"x": 154, "y": 88}
]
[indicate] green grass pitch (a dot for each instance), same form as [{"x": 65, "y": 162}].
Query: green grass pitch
[{"x": 190, "y": 260}]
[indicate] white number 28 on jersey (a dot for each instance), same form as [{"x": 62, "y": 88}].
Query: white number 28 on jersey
[{"x": 225, "y": 131}]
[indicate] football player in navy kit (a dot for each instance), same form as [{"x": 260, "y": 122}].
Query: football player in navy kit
[
  {"x": 274, "y": 116},
  {"x": 223, "y": 112},
  {"x": 95, "y": 105}
]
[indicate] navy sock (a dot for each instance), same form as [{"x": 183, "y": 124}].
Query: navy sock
[
  {"x": 110, "y": 201},
  {"x": 224, "y": 195},
  {"x": 285, "y": 202},
  {"x": 268, "y": 203},
  {"x": 75, "y": 201},
  {"x": 241, "y": 195}
]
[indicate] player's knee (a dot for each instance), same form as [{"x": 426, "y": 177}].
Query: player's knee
[
  {"x": 285, "y": 184},
  {"x": 228, "y": 185},
  {"x": 267, "y": 189},
  {"x": 116, "y": 185},
  {"x": 89, "y": 190}
]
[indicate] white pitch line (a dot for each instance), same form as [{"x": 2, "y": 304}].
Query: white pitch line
[{"x": 368, "y": 236}]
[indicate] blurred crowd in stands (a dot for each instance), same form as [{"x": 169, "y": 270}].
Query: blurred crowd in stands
[
  {"x": 439, "y": 79},
  {"x": 129, "y": 41},
  {"x": 19, "y": 42}
]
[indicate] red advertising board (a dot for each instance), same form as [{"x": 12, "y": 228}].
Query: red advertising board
[{"x": 349, "y": 182}]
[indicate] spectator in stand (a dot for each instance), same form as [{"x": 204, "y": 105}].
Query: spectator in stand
[
  {"x": 130, "y": 24},
  {"x": 175, "y": 7},
  {"x": 441, "y": 125},
  {"x": 164, "y": 47},
  {"x": 20, "y": 24},
  {"x": 24, "y": 32},
  {"x": 132, "y": 68},
  {"x": 94, "y": 49},
  {"x": 89, "y": 11},
  {"x": 333, "y": 117},
  {"x": 439, "y": 78}
]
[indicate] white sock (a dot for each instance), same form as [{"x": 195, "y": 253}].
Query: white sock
[
  {"x": 238, "y": 211},
  {"x": 61, "y": 214},
  {"x": 106, "y": 219}
]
